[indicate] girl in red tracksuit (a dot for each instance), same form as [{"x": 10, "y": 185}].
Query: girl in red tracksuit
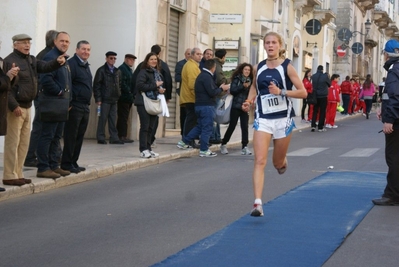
[{"x": 333, "y": 100}]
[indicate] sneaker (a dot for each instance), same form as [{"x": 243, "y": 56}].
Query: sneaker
[
  {"x": 322, "y": 130},
  {"x": 246, "y": 151},
  {"x": 313, "y": 129},
  {"x": 328, "y": 126},
  {"x": 207, "y": 154},
  {"x": 334, "y": 126},
  {"x": 223, "y": 149},
  {"x": 145, "y": 154},
  {"x": 153, "y": 154},
  {"x": 304, "y": 121},
  {"x": 182, "y": 145},
  {"x": 257, "y": 211}
]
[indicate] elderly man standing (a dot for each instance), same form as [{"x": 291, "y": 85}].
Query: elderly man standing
[
  {"x": 19, "y": 104},
  {"x": 106, "y": 90},
  {"x": 189, "y": 74},
  {"x": 56, "y": 83},
  {"x": 78, "y": 119},
  {"x": 127, "y": 97}
]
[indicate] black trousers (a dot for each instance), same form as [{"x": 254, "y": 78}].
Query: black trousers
[
  {"x": 123, "y": 116},
  {"x": 236, "y": 114},
  {"x": 182, "y": 119},
  {"x": 191, "y": 118},
  {"x": 74, "y": 131},
  {"x": 392, "y": 158},
  {"x": 147, "y": 123},
  {"x": 304, "y": 104},
  {"x": 319, "y": 107}
]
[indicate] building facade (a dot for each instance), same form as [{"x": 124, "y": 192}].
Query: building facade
[{"x": 311, "y": 30}]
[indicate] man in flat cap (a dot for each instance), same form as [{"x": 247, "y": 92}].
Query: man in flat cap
[
  {"x": 106, "y": 90},
  {"x": 126, "y": 99},
  {"x": 19, "y": 104}
]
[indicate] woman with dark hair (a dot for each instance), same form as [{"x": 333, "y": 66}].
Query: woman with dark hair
[
  {"x": 333, "y": 99},
  {"x": 239, "y": 88},
  {"x": 307, "y": 83},
  {"x": 368, "y": 93},
  {"x": 149, "y": 81}
]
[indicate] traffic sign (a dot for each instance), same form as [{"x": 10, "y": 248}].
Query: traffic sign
[
  {"x": 340, "y": 52},
  {"x": 357, "y": 48},
  {"x": 313, "y": 27},
  {"x": 344, "y": 34}
]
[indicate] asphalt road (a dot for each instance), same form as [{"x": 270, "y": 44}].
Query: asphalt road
[{"x": 140, "y": 217}]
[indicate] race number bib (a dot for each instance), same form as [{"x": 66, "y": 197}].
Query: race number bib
[{"x": 273, "y": 103}]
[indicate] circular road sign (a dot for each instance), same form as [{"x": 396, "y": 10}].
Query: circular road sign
[
  {"x": 357, "y": 48},
  {"x": 344, "y": 34},
  {"x": 340, "y": 52},
  {"x": 313, "y": 27}
]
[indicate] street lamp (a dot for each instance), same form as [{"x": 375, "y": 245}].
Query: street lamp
[{"x": 367, "y": 26}]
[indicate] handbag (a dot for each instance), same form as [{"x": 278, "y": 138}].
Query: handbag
[
  {"x": 222, "y": 112},
  {"x": 153, "y": 107},
  {"x": 312, "y": 98},
  {"x": 54, "y": 108}
]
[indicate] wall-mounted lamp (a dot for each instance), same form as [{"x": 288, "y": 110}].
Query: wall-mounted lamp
[
  {"x": 367, "y": 26},
  {"x": 311, "y": 44},
  {"x": 268, "y": 20}
]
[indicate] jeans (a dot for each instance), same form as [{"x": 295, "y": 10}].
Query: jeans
[
  {"x": 47, "y": 147},
  {"x": 34, "y": 134},
  {"x": 216, "y": 126},
  {"x": 203, "y": 129}
]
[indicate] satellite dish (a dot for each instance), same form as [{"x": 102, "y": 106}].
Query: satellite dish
[
  {"x": 313, "y": 27},
  {"x": 357, "y": 48}
]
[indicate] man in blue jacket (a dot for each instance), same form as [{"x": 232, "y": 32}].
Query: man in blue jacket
[
  {"x": 78, "y": 119},
  {"x": 389, "y": 116},
  {"x": 56, "y": 83},
  {"x": 205, "y": 101}
]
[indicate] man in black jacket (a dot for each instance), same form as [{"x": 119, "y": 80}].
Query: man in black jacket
[
  {"x": 127, "y": 97},
  {"x": 19, "y": 106},
  {"x": 56, "y": 83},
  {"x": 320, "y": 82},
  {"x": 31, "y": 160},
  {"x": 106, "y": 90},
  {"x": 78, "y": 119}
]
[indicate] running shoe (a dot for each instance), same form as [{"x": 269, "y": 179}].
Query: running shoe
[
  {"x": 257, "y": 211},
  {"x": 182, "y": 145},
  {"x": 153, "y": 154},
  {"x": 145, "y": 154},
  {"x": 207, "y": 154},
  {"x": 246, "y": 151},
  {"x": 223, "y": 149}
]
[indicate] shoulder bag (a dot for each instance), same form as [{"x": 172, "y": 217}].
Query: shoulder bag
[
  {"x": 223, "y": 112},
  {"x": 153, "y": 107},
  {"x": 54, "y": 108}
]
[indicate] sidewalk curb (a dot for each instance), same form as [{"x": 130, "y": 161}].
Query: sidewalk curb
[{"x": 39, "y": 185}]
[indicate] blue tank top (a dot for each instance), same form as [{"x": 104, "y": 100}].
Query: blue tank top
[{"x": 279, "y": 76}]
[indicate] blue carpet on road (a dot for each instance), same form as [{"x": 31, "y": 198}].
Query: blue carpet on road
[{"x": 300, "y": 228}]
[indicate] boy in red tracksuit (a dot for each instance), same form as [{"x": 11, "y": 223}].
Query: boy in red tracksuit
[{"x": 333, "y": 100}]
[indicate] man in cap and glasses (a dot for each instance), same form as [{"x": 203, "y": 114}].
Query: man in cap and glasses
[{"x": 19, "y": 106}]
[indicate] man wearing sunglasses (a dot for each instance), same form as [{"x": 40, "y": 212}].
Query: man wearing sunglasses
[{"x": 106, "y": 90}]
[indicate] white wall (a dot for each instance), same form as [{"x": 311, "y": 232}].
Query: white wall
[{"x": 25, "y": 16}]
